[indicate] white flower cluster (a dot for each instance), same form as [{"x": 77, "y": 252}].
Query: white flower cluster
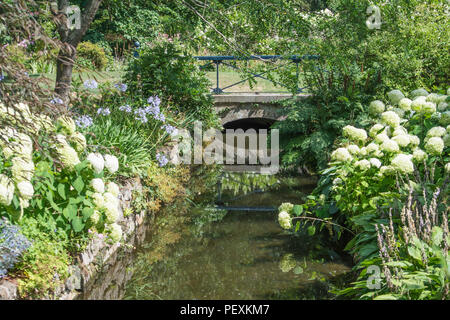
[
  {"x": 389, "y": 141},
  {"x": 355, "y": 134},
  {"x": 99, "y": 162},
  {"x": 19, "y": 148},
  {"x": 284, "y": 219}
]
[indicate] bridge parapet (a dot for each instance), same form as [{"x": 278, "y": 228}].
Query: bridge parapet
[{"x": 236, "y": 106}]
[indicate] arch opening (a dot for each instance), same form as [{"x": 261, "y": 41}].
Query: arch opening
[{"x": 249, "y": 123}]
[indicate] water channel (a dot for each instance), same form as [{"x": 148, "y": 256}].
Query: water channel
[{"x": 203, "y": 253}]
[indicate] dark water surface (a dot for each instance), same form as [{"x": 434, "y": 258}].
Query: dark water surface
[{"x": 234, "y": 255}]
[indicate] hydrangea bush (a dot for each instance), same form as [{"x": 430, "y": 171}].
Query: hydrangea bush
[
  {"x": 61, "y": 182},
  {"x": 406, "y": 146}
]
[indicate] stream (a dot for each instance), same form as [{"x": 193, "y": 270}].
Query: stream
[{"x": 222, "y": 254}]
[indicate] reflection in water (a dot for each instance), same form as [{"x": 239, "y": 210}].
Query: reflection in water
[{"x": 234, "y": 255}]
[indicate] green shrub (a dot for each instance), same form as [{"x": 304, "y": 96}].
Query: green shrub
[
  {"x": 91, "y": 55},
  {"x": 168, "y": 71},
  {"x": 372, "y": 172},
  {"x": 311, "y": 127}
]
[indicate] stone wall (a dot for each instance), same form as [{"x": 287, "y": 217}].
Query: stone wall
[{"x": 100, "y": 271}]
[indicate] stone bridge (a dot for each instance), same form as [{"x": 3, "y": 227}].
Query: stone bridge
[{"x": 259, "y": 109}]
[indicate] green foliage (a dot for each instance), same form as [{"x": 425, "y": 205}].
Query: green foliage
[
  {"x": 91, "y": 55},
  {"x": 43, "y": 267},
  {"x": 311, "y": 127},
  {"x": 168, "y": 71},
  {"x": 132, "y": 145}
]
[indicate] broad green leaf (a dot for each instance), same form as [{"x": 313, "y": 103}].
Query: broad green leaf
[
  {"x": 311, "y": 230},
  {"x": 78, "y": 184},
  {"x": 298, "y": 270},
  {"x": 297, "y": 209},
  {"x": 77, "y": 224},
  {"x": 61, "y": 190}
]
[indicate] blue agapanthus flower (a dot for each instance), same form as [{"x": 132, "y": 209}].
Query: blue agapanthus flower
[
  {"x": 12, "y": 246},
  {"x": 125, "y": 108},
  {"x": 121, "y": 87},
  {"x": 84, "y": 121},
  {"x": 162, "y": 159},
  {"x": 169, "y": 129},
  {"x": 90, "y": 84},
  {"x": 57, "y": 101},
  {"x": 103, "y": 111},
  {"x": 154, "y": 100}
]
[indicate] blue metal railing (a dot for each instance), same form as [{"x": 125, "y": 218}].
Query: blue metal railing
[{"x": 217, "y": 60}]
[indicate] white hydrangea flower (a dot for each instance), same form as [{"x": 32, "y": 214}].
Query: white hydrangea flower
[
  {"x": 67, "y": 124},
  {"x": 111, "y": 198},
  {"x": 402, "y": 163},
  {"x": 341, "y": 154},
  {"x": 337, "y": 181},
  {"x": 372, "y": 147},
  {"x": 395, "y": 96},
  {"x": 448, "y": 129},
  {"x": 95, "y": 217},
  {"x": 399, "y": 112},
  {"x": 433, "y": 97},
  {"x": 22, "y": 170},
  {"x": 113, "y": 188},
  {"x": 382, "y": 137},
  {"x": 284, "y": 219},
  {"x": 98, "y": 200},
  {"x": 363, "y": 151},
  {"x": 98, "y": 185},
  {"x": 436, "y": 132},
  {"x": 414, "y": 140},
  {"x": 375, "y": 162},
  {"x": 446, "y": 139},
  {"x": 418, "y": 92},
  {"x": 405, "y": 104},
  {"x": 111, "y": 213},
  {"x": 399, "y": 130},
  {"x": 428, "y": 108},
  {"x": 386, "y": 170},
  {"x": 390, "y": 118},
  {"x": 79, "y": 141},
  {"x": 45, "y": 122},
  {"x": 419, "y": 155},
  {"x": 68, "y": 156},
  {"x": 434, "y": 145},
  {"x": 442, "y": 106},
  {"x": 111, "y": 163},
  {"x": 376, "y": 107},
  {"x": 376, "y": 128},
  {"x": 97, "y": 162},
  {"x": 26, "y": 190},
  {"x": 353, "y": 149},
  {"x": 6, "y": 190},
  {"x": 402, "y": 140},
  {"x": 445, "y": 118},
  {"x": 390, "y": 146},
  {"x": 418, "y": 103},
  {"x": 115, "y": 232},
  {"x": 355, "y": 133},
  {"x": 362, "y": 164},
  {"x": 447, "y": 168}
]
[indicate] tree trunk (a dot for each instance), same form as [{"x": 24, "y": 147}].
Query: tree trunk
[
  {"x": 64, "y": 67},
  {"x": 71, "y": 37}
]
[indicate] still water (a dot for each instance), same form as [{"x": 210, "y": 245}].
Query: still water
[{"x": 235, "y": 254}]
